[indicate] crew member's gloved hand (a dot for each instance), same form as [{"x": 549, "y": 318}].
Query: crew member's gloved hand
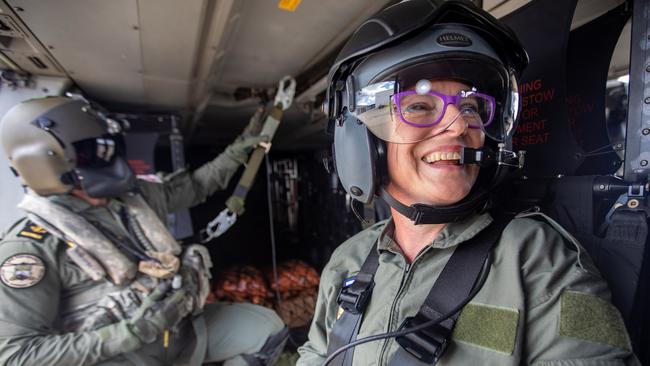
[
  {"x": 242, "y": 146},
  {"x": 285, "y": 93},
  {"x": 161, "y": 310},
  {"x": 196, "y": 276}
]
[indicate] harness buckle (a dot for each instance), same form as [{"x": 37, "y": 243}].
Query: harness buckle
[
  {"x": 427, "y": 345},
  {"x": 355, "y": 297}
]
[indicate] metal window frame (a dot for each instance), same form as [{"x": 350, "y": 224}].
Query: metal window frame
[{"x": 637, "y": 141}]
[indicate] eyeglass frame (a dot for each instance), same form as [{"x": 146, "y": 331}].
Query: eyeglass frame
[{"x": 446, "y": 99}]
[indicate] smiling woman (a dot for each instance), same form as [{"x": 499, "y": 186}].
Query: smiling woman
[{"x": 432, "y": 103}]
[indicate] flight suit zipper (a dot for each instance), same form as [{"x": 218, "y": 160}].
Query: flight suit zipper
[
  {"x": 391, "y": 315},
  {"x": 406, "y": 276}
]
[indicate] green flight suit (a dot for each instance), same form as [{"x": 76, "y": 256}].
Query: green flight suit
[
  {"x": 543, "y": 302},
  {"x": 32, "y": 309}
]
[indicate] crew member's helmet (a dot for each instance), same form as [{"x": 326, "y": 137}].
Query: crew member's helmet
[
  {"x": 56, "y": 144},
  {"x": 403, "y": 47}
]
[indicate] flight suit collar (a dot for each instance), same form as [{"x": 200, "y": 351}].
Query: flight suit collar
[{"x": 451, "y": 235}]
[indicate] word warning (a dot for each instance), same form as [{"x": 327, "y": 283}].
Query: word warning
[{"x": 533, "y": 127}]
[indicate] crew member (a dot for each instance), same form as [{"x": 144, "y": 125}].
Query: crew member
[
  {"x": 91, "y": 275},
  {"x": 424, "y": 102}
]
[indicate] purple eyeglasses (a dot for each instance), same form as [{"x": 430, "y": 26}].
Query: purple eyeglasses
[{"x": 425, "y": 110}]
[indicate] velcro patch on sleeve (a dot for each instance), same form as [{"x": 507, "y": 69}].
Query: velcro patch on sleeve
[
  {"x": 590, "y": 318},
  {"x": 488, "y": 327},
  {"x": 33, "y": 231}
]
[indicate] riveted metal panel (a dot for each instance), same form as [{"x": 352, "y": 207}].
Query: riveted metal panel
[
  {"x": 97, "y": 42},
  {"x": 270, "y": 43}
]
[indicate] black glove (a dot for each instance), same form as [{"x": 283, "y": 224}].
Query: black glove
[{"x": 159, "y": 312}]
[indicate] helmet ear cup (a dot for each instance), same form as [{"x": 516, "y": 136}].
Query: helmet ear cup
[
  {"x": 381, "y": 163},
  {"x": 355, "y": 157}
]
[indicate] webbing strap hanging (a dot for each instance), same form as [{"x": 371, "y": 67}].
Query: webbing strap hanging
[
  {"x": 353, "y": 300},
  {"x": 454, "y": 284},
  {"x": 237, "y": 201}
]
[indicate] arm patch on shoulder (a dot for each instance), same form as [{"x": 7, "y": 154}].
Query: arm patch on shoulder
[
  {"x": 34, "y": 232},
  {"x": 22, "y": 271},
  {"x": 590, "y": 318}
]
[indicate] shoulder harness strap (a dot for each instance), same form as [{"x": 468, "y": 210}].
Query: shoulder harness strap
[
  {"x": 353, "y": 300},
  {"x": 455, "y": 283},
  {"x": 453, "y": 286}
]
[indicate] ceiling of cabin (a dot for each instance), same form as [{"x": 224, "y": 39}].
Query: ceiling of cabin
[
  {"x": 161, "y": 52},
  {"x": 191, "y": 55}
]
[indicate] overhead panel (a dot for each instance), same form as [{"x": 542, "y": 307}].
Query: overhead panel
[
  {"x": 218, "y": 21},
  {"x": 491, "y": 4},
  {"x": 588, "y": 10},
  {"x": 620, "y": 64},
  {"x": 9, "y": 28},
  {"x": 20, "y": 50},
  {"x": 262, "y": 43},
  {"x": 269, "y": 42},
  {"x": 170, "y": 32},
  {"x": 96, "y": 41}
]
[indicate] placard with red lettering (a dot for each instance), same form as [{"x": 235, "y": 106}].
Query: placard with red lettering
[
  {"x": 140, "y": 148},
  {"x": 543, "y": 28}
]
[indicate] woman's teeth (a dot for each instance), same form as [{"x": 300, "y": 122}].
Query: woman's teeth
[{"x": 441, "y": 156}]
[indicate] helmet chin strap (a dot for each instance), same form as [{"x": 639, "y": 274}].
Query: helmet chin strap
[
  {"x": 476, "y": 200},
  {"x": 423, "y": 214}
]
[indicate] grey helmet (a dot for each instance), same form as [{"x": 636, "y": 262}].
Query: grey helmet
[
  {"x": 420, "y": 39},
  {"x": 56, "y": 144}
]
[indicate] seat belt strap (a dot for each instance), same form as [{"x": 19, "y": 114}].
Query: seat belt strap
[
  {"x": 353, "y": 300},
  {"x": 455, "y": 283},
  {"x": 345, "y": 331}
]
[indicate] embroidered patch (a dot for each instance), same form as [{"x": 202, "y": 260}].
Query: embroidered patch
[
  {"x": 33, "y": 231},
  {"x": 588, "y": 317},
  {"x": 22, "y": 271},
  {"x": 488, "y": 327}
]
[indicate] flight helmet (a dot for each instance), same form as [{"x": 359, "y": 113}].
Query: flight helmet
[
  {"x": 56, "y": 144},
  {"x": 390, "y": 58}
]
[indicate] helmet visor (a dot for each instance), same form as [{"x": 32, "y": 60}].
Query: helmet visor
[
  {"x": 404, "y": 108},
  {"x": 98, "y": 152}
]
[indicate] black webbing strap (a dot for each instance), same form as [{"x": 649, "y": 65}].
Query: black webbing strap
[
  {"x": 353, "y": 301},
  {"x": 452, "y": 287},
  {"x": 426, "y": 214}
]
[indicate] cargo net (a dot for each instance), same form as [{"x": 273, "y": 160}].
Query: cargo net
[{"x": 293, "y": 296}]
